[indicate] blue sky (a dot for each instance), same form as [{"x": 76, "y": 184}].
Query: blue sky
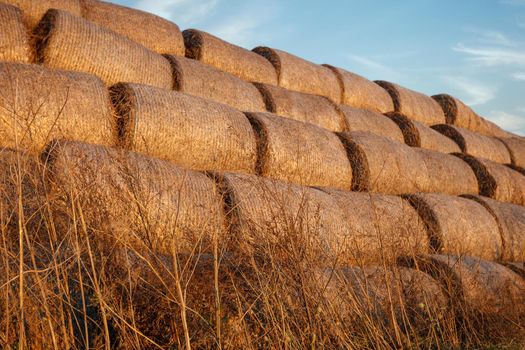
[{"x": 472, "y": 49}]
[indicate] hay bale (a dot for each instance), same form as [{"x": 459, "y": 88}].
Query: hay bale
[
  {"x": 476, "y": 145},
  {"x": 462, "y": 116},
  {"x": 516, "y": 147},
  {"x": 417, "y": 134},
  {"x": 497, "y": 181},
  {"x": 230, "y": 58},
  {"x": 189, "y": 131},
  {"x": 34, "y": 10},
  {"x": 39, "y": 104},
  {"x": 297, "y": 74},
  {"x": 300, "y": 153},
  {"x": 153, "y": 32},
  {"x": 383, "y": 227},
  {"x": 73, "y": 43},
  {"x": 199, "y": 79},
  {"x": 367, "y": 120},
  {"x": 458, "y": 226},
  {"x": 14, "y": 38},
  {"x": 313, "y": 109},
  {"x": 413, "y": 104},
  {"x": 132, "y": 199},
  {"x": 511, "y": 221},
  {"x": 518, "y": 268}
]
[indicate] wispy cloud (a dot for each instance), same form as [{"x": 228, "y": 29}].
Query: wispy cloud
[
  {"x": 518, "y": 76},
  {"x": 376, "y": 69},
  {"x": 492, "y": 56},
  {"x": 492, "y": 37},
  {"x": 472, "y": 92},
  {"x": 185, "y": 12},
  {"x": 509, "y": 121}
]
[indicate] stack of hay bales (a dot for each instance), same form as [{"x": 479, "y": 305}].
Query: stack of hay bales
[
  {"x": 186, "y": 130},
  {"x": 458, "y": 226},
  {"x": 153, "y": 32},
  {"x": 516, "y": 147},
  {"x": 69, "y": 42},
  {"x": 39, "y": 104},
  {"x": 199, "y": 79},
  {"x": 297, "y": 74},
  {"x": 413, "y": 104},
  {"x": 230, "y": 58},
  {"x": 367, "y": 120},
  {"x": 313, "y": 109},
  {"x": 34, "y": 10},
  {"x": 14, "y": 38}
]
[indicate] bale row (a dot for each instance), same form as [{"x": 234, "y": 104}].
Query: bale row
[
  {"x": 39, "y": 104},
  {"x": 458, "y": 226},
  {"x": 476, "y": 145},
  {"x": 309, "y": 108},
  {"x": 153, "y": 32},
  {"x": 360, "y": 92},
  {"x": 69, "y": 42},
  {"x": 242, "y": 63},
  {"x": 376, "y": 123},
  {"x": 516, "y": 147},
  {"x": 199, "y": 79},
  {"x": 34, "y": 10},
  {"x": 413, "y": 104},
  {"x": 14, "y": 38},
  {"x": 297, "y": 74}
]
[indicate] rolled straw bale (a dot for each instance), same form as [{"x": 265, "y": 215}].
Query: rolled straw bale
[
  {"x": 497, "y": 181},
  {"x": 297, "y": 74},
  {"x": 373, "y": 122},
  {"x": 135, "y": 199},
  {"x": 309, "y": 108},
  {"x": 476, "y": 145},
  {"x": 458, "y": 226},
  {"x": 34, "y": 10},
  {"x": 383, "y": 227},
  {"x": 299, "y": 152},
  {"x": 462, "y": 116},
  {"x": 511, "y": 221},
  {"x": 14, "y": 36},
  {"x": 186, "y": 130},
  {"x": 516, "y": 147},
  {"x": 153, "y": 32},
  {"x": 199, "y": 79},
  {"x": 413, "y": 104},
  {"x": 360, "y": 92},
  {"x": 518, "y": 268},
  {"x": 38, "y": 104},
  {"x": 417, "y": 134},
  {"x": 230, "y": 58},
  {"x": 69, "y": 42}
]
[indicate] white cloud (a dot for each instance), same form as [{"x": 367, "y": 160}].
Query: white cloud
[
  {"x": 491, "y": 56},
  {"x": 472, "y": 92},
  {"x": 492, "y": 37},
  {"x": 518, "y": 76},
  {"x": 185, "y": 12},
  {"x": 377, "y": 69},
  {"x": 509, "y": 121},
  {"x": 239, "y": 30}
]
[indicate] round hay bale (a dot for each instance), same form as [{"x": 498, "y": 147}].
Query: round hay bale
[
  {"x": 186, "y": 130},
  {"x": 458, "y": 226},
  {"x": 476, "y": 145},
  {"x": 300, "y": 153},
  {"x": 367, "y": 120},
  {"x": 383, "y": 227},
  {"x": 360, "y": 92},
  {"x": 230, "y": 58},
  {"x": 153, "y": 32},
  {"x": 34, "y": 10},
  {"x": 39, "y": 104},
  {"x": 417, "y": 134},
  {"x": 297, "y": 74},
  {"x": 313, "y": 109},
  {"x": 199, "y": 79},
  {"x": 73, "y": 43},
  {"x": 133, "y": 199},
  {"x": 516, "y": 147},
  {"x": 511, "y": 221},
  {"x": 518, "y": 268},
  {"x": 497, "y": 181},
  {"x": 413, "y": 104},
  {"x": 14, "y": 38}
]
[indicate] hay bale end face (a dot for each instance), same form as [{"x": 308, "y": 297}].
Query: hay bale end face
[
  {"x": 360, "y": 92},
  {"x": 186, "y": 130},
  {"x": 68, "y": 42},
  {"x": 313, "y": 109},
  {"x": 373, "y": 122},
  {"x": 516, "y": 147},
  {"x": 458, "y": 226},
  {"x": 299, "y": 152},
  {"x": 153, "y": 32},
  {"x": 14, "y": 38},
  {"x": 38, "y": 104},
  {"x": 297, "y": 74},
  {"x": 34, "y": 10},
  {"x": 199, "y": 79},
  {"x": 230, "y": 58}
]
